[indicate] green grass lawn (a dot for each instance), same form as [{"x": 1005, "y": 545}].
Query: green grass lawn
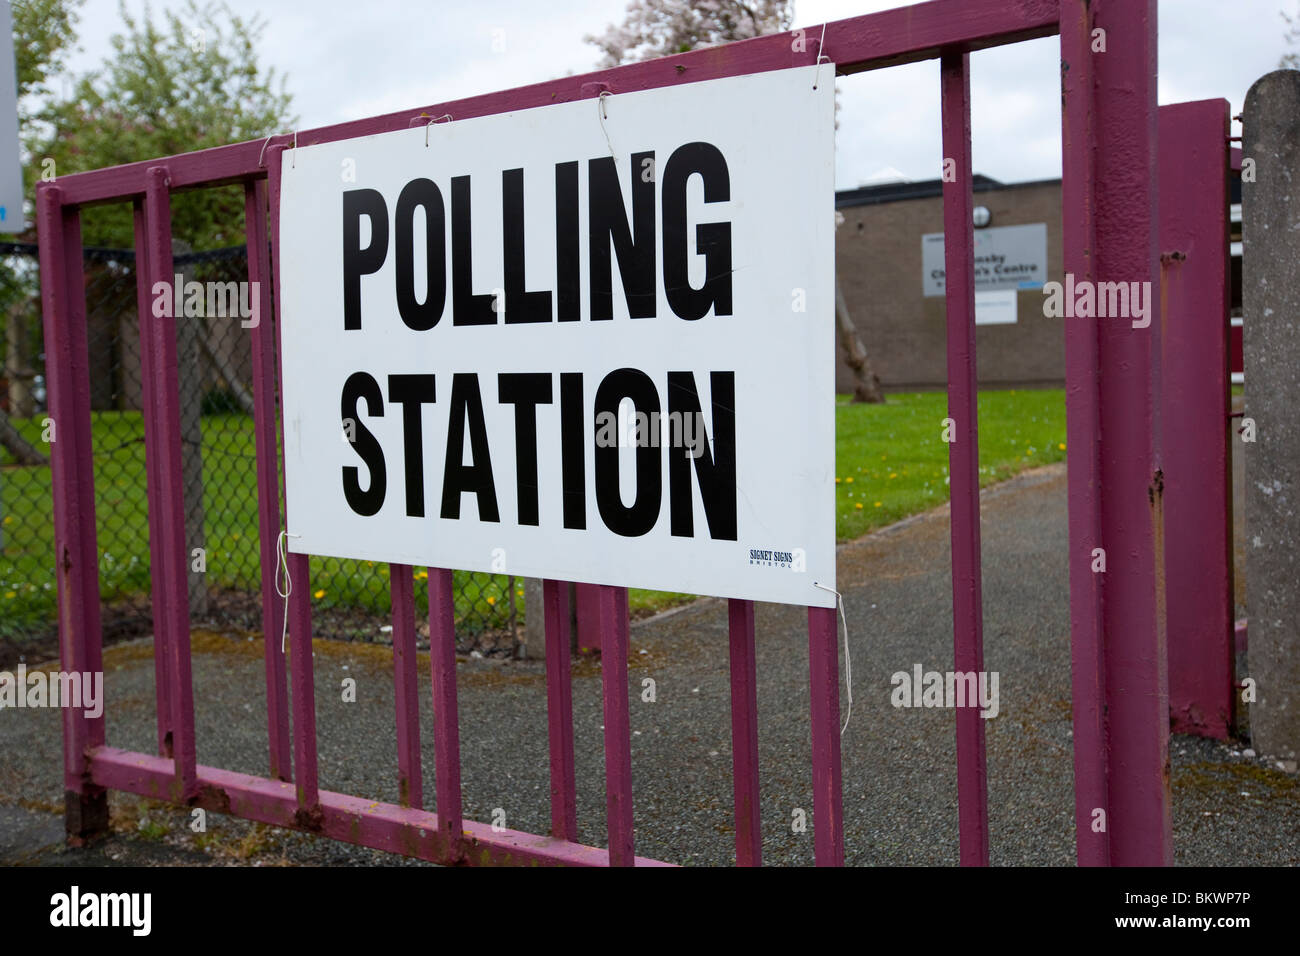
[{"x": 891, "y": 462}]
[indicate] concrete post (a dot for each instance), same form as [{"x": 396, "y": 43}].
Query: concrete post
[{"x": 1270, "y": 195}]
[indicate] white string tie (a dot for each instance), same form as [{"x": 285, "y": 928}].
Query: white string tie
[
  {"x": 432, "y": 120},
  {"x": 821, "y": 44},
  {"x": 261, "y": 157},
  {"x": 848, "y": 664},
  {"x": 604, "y": 115},
  {"x": 282, "y": 561}
]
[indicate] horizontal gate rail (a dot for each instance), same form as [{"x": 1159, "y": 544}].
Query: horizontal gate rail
[
  {"x": 1117, "y": 634},
  {"x": 383, "y": 826}
]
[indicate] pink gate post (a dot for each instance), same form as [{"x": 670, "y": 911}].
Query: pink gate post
[
  {"x": 166, "y": 491},
  {"x": 1117, "y": 620},
  {"x": 963, "y": 452},
  {"x": 63, "y": 304},
  {"x": 1194, "y": 162},
  {"x": 266, "y": 429}
]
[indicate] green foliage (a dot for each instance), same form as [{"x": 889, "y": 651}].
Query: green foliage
[
  {"x": 219, "y": 401},
  {"x": 187, "y": 83},
  {"x": 44, "y": 32}
]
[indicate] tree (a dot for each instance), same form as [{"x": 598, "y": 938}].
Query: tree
[
  {"x": 168, "y": 88},
  {"x": 1291, "y": 59},
  {"x": 44, "y": 33},
  {"x": 654, "y": 28}
]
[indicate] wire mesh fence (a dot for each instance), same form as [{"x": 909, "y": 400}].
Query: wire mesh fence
[{"x": 350, "y": 597}]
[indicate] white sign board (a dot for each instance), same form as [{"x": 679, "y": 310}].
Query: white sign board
[
  {"x": 1006, "y": 257},
  {"x": 11, "y": 168},
  {"x": 591, "y": 341}
]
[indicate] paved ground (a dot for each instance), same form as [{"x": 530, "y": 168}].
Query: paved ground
[{"x": 899, "y": 778}]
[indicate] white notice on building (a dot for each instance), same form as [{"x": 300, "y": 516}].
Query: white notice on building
[{"x": 997, "y": 307}]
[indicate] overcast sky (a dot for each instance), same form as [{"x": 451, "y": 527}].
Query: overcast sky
[{"x": 345, "y": 60}]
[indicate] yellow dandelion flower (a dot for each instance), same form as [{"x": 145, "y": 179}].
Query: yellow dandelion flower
[
  {"x": 837, "y": 481},
  {"x": 320, "y": 594},
  {"x": 858, "y": 506},
  {"x": 1061, "y": 446},
  {"x": 10, "y": 594},
  {"x": 492, "y": 600},
  {"x": 849, "y": 479},
  {"x": 877, "y": 504}
]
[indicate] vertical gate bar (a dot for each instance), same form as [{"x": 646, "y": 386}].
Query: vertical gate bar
[
  {"x": 144, "y": 308},
  {"x": 172, "y": 620},
  {"x": 588, "y": 617},
  {"x": 963, "y": 453},
  {"x": 406, "y": 686},
  {"x": 744, "y": 733},
  {"x": 446, "y": 712},
  {"x": 824, "y": 684},
  {"x": 303, "y": 682},
  {"x": 559, "y": 711},
  {"x": 63, "y": 301},
  {"x": 1194, "y": 164},
  {"x": 613, "y": 625},
  {"x": 301, "y": 673},
  {"x": 1121, "y": 678},
  {"x": 268, "y": 477},
  {"x": 1083, "y": 437}
]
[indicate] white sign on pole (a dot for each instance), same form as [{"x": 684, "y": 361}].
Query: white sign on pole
[
  {"x": 590, "y": 341},
  {"x": 11, "y": 166}
]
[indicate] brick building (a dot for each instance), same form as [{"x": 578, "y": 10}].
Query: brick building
[{"x": 878, "y": 258}]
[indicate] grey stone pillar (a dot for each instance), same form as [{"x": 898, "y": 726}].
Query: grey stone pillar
[{"x": 1271, "y": 309}]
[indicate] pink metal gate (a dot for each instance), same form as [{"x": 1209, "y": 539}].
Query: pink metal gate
[{"x": 1120, "y": 690}]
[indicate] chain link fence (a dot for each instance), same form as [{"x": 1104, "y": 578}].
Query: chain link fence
[{"x": 350, "y": 597}]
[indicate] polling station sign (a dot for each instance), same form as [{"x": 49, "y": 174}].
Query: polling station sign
[{"x": 590, "y": 341}]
